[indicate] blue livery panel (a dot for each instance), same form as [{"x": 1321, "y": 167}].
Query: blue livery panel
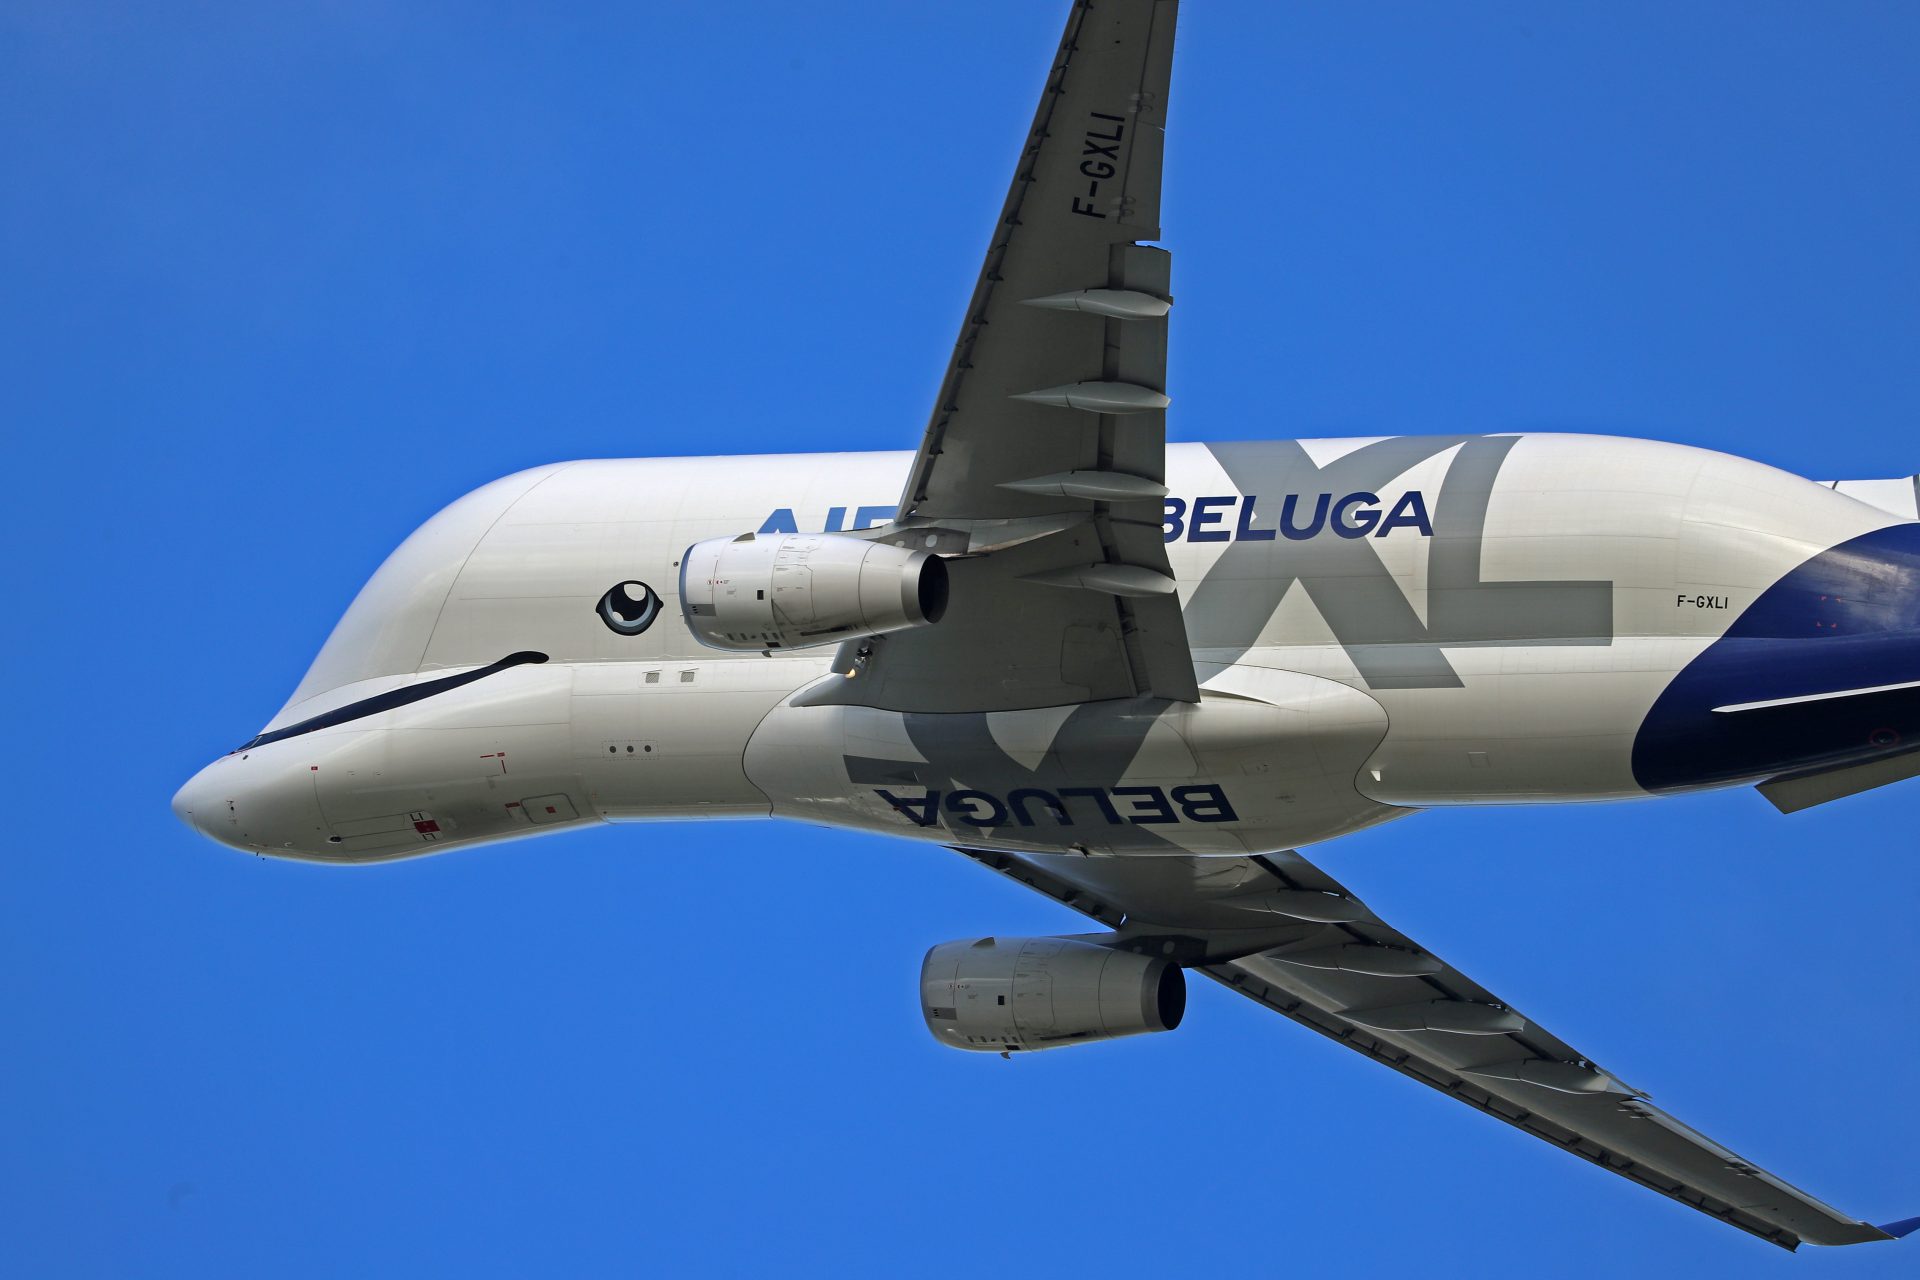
[{"x": 1849, "y": 618}]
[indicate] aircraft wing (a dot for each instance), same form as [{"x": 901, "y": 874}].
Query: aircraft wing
[
  {"x": 1280, "y": 931},
  {"x": 1043, "y": 467}
]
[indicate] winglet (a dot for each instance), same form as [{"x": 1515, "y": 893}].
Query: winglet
[{"x": 1904, "y": 1227}]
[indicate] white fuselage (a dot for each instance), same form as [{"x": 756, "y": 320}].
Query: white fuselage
[{"x": 1378, "y": 625}]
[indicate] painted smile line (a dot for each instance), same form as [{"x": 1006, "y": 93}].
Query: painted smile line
[{"x": 391, "y": 699}]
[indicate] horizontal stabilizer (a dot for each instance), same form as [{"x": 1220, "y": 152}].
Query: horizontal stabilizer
[
  {"x": 1803, "y": 791},
  {"x": 1900, "y": 495},
  {"x": 1902, "y": 1229}
]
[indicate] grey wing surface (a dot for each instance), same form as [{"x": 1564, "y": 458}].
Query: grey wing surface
[
  {"x": 1043, "y": 466},
  {"x": 1280, "y": 931}
]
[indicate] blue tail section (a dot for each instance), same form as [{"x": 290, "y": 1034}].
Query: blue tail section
[
  {"x": 1848, "y": 618},
  {"x": 1904, "y": 1227}
]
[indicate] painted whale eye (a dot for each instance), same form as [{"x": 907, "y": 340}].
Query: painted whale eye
[{"x": 628, "y": 608}]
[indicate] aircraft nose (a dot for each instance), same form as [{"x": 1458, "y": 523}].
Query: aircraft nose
[
  {"x": 183, "y": 801},
  {"x": 258, "y": 801},
  {"x": 194, "y": 800}
]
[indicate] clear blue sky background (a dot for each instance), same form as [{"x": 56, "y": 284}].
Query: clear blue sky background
[{"x": 279, "y": 280}]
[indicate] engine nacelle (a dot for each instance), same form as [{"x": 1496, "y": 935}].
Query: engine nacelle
[
  {"x": 1001, "y": 994},
  {"x": 790, "y": 590}
]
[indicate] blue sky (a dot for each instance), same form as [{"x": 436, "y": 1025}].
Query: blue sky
[{"x": 281, "y": 280}]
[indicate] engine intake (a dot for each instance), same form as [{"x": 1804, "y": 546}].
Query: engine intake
[
  {"x": 1001, "y": 994},
  {"x": 791, "y": 590}
]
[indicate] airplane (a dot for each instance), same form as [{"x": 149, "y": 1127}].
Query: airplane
[{"x": 1137, "y": 677}]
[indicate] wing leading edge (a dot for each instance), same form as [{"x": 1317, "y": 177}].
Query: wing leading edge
[
  {"x": 1044, "y": 463},
  {"x": 1358, "y": 981}
]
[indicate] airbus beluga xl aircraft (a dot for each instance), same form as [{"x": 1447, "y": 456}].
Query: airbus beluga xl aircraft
[{"x": 1133, "y": 676}]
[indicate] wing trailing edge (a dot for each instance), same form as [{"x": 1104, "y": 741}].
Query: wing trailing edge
[{"x": 1319, "y": 974}]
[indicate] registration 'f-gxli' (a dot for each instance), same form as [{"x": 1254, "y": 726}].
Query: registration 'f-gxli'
[{"x": 1133, "y": 676}]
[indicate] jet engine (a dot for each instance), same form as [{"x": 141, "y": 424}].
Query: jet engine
[
  {"x": 790, "y": 590},
  {"x": 1001, "y": 994}
]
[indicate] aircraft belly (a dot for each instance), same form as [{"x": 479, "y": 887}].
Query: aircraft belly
[
  {"x": 1266, "y": 760},
  {"x": 1527, "y": 724},
  {"x": 665, "y": 740}
]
